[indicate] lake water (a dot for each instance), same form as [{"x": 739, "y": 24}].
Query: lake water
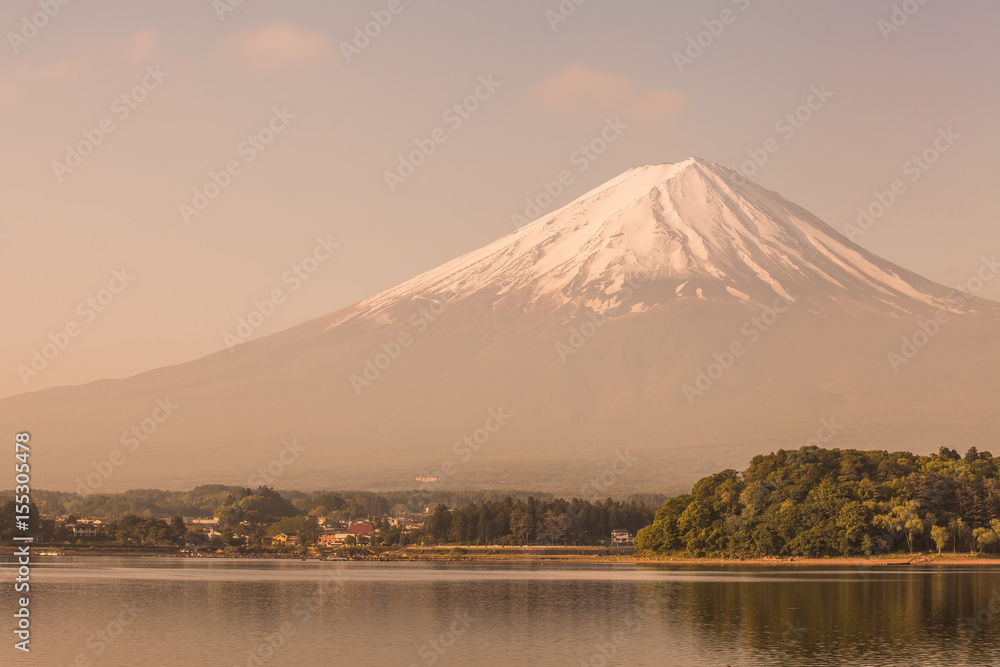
[{"x": 163, "y": 612}]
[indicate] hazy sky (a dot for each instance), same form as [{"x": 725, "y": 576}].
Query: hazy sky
[{"x": 196, "y": 87}]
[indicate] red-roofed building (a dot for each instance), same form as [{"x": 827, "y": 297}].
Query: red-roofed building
[{"x": 360, "y": 529}]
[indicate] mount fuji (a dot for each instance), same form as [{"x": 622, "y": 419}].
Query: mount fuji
[{"x": 674, "y": 321}]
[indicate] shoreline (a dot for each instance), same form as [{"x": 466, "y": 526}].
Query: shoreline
[{"x": 526, "y": 555}]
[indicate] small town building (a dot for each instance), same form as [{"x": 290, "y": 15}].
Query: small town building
[
  {"x": 333, "y": 539},
  {"x": 286, "y": 539},
  {"x": 360, "y": 529},
  {"x": 621, "y": 538},
  {"x": 86, "y": 529}
]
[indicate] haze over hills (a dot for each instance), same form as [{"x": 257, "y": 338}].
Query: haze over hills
[{"x": 677, "y": 319}]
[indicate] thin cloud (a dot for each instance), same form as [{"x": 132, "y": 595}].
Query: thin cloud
[
  {"x": 580, "y": 87},
  {"x": 275, "y": 48},
  {"x": 138, "y": 47},
  {"x": 23, "y": 78}
]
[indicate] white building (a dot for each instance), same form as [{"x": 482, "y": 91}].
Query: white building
[{"x": 621, "y": 538}]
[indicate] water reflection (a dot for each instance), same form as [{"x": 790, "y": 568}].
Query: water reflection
[{"x": 292, "y": 613}]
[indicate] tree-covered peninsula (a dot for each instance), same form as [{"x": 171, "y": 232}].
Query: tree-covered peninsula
[{"x": 817, "y": 502}]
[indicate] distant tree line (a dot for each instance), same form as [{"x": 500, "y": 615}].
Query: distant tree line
[
  {"x": 143, "y": 531},
  {"x": 816, "y": 502},
  {"x": 530, "y": 521},
  {"x": 204, "y": 500},
  {"x": 263, "y": 512},
  {"x": 200, "y": 501},
  {"x": 127, "y": 529}
]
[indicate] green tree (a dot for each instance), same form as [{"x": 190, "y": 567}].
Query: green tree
[
  {"x": 177, "y": 525},
  {"x": 693, "y": 525},
  {"x": 903, "y": 518},
  {"x": 132, "y": 529},
  {"x": 554, "y": 526},
  {"x": 253, "y": 512},
  {"x": 652, "y": 538},
  {"x": 960, "y": 532},
  {"x": 305, "y": 527},
  {"x": 438, "y": 524},
  {"x": 941, "y": 537},
  {"x": 522, "y": 525},
  {"x": 818, "y": 502},
  {"x": 852, "y": 524},
  {"x": 984, "y": 537}
]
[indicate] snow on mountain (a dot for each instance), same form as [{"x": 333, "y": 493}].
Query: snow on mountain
[{"x": 695, "y": 224}]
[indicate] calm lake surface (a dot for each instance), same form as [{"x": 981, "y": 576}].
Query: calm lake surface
[{"x": 162, "y": 612}]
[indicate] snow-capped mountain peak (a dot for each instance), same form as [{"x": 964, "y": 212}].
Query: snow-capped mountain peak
[{"x": 696, "y": 228}]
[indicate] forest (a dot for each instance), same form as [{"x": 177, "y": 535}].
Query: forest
[
  {"x": 558, "y": 522},
  {"x": 203, "y": 501},
  {"x": 816, "y": 502}
]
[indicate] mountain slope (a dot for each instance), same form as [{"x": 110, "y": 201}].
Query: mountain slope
[
  {"x": 677, "y": 312},
  {"x": 691, "y": 221}
]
